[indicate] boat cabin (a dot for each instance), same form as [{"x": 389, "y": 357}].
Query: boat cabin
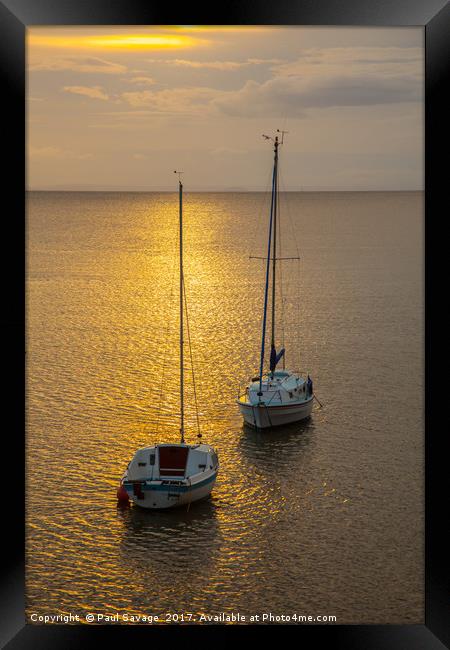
[
  {"x": 171, "y": 461},
  {"x": 279, "y": 387}
]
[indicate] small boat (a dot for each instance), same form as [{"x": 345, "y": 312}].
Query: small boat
[
  {"x": 169, "y": 475},
  {"x": 276, "y": 397}
]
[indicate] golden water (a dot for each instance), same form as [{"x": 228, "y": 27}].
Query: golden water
[{"x": 322, "y": 518}]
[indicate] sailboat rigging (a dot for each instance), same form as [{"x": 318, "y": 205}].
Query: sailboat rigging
[{"x": 279, "y": 396}]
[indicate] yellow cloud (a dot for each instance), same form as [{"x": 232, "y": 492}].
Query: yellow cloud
[
  {"x": 115, "y": 41},
  {"x": 173, "y": 101},
  {"x": 142, "y": 81},
  {"x": 96, "y": 92},
  {"x": 78, "y": 63}
]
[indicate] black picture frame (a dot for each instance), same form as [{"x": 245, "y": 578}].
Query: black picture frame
[{"x": 15, "y": 17}]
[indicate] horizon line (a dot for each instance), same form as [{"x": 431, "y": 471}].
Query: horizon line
[{"x": 243, "y": 190}]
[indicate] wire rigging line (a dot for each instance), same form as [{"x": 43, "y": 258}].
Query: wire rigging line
[
  {"x": 283, "y": 189},
  {"x": 190, "y": 355},
  {"x": 262, "y": 205},
  {"x": 168, "y": 325},
  {"x": 280, "y": 282},
  {"x": 297, "y": 329}
]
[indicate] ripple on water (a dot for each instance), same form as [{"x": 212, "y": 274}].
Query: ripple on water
[{"x": 320, "y": 517}]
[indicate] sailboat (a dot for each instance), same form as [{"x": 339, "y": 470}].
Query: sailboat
[
  {"x": 275, "y": 397},
  {"x": 169, "y": 475}
]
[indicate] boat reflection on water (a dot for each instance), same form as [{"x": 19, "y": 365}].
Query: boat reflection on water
[
  {"x": 281, "y": 448},
  {"x": 140, "y": 519},
  {"x": 169, "y": 550},
  {"x": 281, "y": 460}
]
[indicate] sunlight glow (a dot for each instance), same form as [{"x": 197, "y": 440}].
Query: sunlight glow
[{"x": 117, "y": 41}]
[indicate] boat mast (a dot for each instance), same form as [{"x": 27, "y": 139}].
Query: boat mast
[
  {"x": 180, "y": 194},
  {"x": 266, "y": 290},
  {"x": 274, "y": 256}
]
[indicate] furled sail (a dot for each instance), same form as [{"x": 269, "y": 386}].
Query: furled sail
[{"x": 274, "y": 358}]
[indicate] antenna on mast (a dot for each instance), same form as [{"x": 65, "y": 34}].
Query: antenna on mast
[
  {"x": 179, "y": 175},
  {"x": 282, "y": 135}
]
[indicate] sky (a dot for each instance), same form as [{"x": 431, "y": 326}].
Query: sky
[{"x": 120, "y": 108}]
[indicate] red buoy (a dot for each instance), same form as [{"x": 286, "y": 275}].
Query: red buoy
[{"x": 122, "y": 494}]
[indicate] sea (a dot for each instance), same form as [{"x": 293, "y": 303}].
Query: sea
[{"x": 320, "y": 519}]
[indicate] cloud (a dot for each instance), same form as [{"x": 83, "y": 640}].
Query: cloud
[
  {"x": 142, "y": 40},
  {"x": 369, "y": 60},
  {"x": 45, "y": 152},
  {"x": 95, "y": 92},
  {"x": 215, "y": 65},
  {"x": 78, "y": 64},
  {"x": 293, "y": 95},
  {"x": 142, "y": 81},
  {"x": 319, "y": 78},
  {"x": 57, "y": 153},
  {"x": 126, "y": 114},
  {"x": 333, "y": 77},
  {"x": 172, "y": 101}
]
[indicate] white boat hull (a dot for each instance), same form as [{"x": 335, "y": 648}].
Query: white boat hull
[
  {"x": 160, "y": 495},
  {"x": 261, "y": 416}
]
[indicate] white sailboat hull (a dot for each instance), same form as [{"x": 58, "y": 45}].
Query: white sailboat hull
[
  {"x": 159, "y": 495},
  {"x": 261, "y": 416}
]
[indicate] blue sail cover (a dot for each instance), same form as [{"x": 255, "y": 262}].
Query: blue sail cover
[{"x": 274, "y": 358}]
